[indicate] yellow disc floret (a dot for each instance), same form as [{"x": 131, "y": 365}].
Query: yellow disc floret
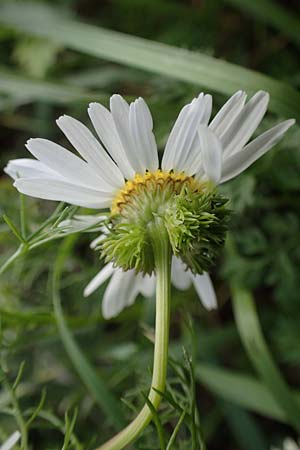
[{"x": 158, "y": 180}]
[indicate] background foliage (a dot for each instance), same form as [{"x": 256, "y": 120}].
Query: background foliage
[{"x": 69, "y": 366}]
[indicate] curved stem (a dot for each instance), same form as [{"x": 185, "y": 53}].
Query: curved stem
[{"x": 163, "y": 275}]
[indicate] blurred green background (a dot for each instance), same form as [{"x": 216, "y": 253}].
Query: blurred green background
[{"x": 52, "y": 63}]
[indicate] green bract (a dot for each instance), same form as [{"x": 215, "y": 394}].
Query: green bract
[
  {"x": 195, "y": 217},
  {"x": 197, "y": 223}
]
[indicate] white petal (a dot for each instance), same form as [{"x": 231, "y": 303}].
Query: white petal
[
  {"x": 169, "y": 152},
  {"x": 245, "y": 123},
  {"x": 141, "y": 125},
  {"x": 179, "y": 276},
  {"x": 91, "y": 150},
  {"x": 65, "y": 163},
  {"x": 182, "y": 136},
  {"x": 290, "y": 444},
  {"x": 59, "y": 190},
  {"x": 205, "y": 290},
  {"x": 194, "y": 162},
  {"x": 99, "y": 279},
  {"x": 11, "y": 441},
  {"x": 189, "y": 160},
  {"x": 81, "y": 223},
  {"x": 228, "y": 113},
  {"x": 120, "y": 112},
  {"x": 207, "y": 108},
  {"x": 200, "y": 175},
  {"x": 238, "y": 162},
  {"x": 211, "y": 151},
  {"x": 120, "y": 292},
  {"x": 105, "y": 127},
  {"x": 147, "y": 285},
  {"x": 27, "y": 168},
  {"x": 95, "y": 242}
]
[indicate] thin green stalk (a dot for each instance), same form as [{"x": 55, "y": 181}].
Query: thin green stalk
[
  {"x": 176, "y": 430},
  {"x": 13, "y": 228},
  {"x": 44, "y": 241},
  {"x": 157, "y": 422},
  {"x": 162, "y": 255},
  {"x": 27, "y": 245},
  {"x": 21, "y": 250},
  {"x": 17, "y": 412},
  {"x": 51, "y": 418},
  {"x": 55, "y": 213},
  {"x": 196, "y": 430},
  {"x": 23, "y": 216}
]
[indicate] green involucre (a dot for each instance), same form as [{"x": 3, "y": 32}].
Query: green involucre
[{"x": 196, "y": 223}]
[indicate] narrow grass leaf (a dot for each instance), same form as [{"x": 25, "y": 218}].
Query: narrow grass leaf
[
  {"x": 192, "y": 67},
  {"x": 157, "y": 422},
  {"x": 34, "y": 90},
  {"x": 176, "y": 430},
  {"x": 252, "y": 337},
  {"x": 244, "y": 390}
]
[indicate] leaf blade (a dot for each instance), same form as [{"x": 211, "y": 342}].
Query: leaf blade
[
  {"x": 255, "y": 345},
  {"x": 163, "y": 59},
  {"x": 244, "y": 390}
]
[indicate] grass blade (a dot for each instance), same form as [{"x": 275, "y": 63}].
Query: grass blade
[
  {"x": 251, "y": 334},
  {"x": 33, "y": 90},
  {"x": 181, "y": 64},
  {"x": 244, "y": 390}
]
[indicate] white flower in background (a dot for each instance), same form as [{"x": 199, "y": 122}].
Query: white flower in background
[
  {"x": 11, "y": 441},
  {"x": 288, "y": 444},
  {"x": 125, "y": 160}
]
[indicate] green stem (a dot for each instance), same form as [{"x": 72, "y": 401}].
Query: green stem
[
  {"x": 162, "y": 255},
  {"x": 20, "y": 251},
  {"x": 23, "y": 216},
  {"x": 17, "y": 412}
]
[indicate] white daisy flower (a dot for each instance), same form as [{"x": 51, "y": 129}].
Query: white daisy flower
[
  {"x": 125, "y": 157},
  {"x": 218, "y": 151},
  {"x": 11, "y": 441},
  {"x": 124, "y": 287}
]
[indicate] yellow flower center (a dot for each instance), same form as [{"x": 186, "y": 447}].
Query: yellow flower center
[{"x": 151, "y": 182}]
